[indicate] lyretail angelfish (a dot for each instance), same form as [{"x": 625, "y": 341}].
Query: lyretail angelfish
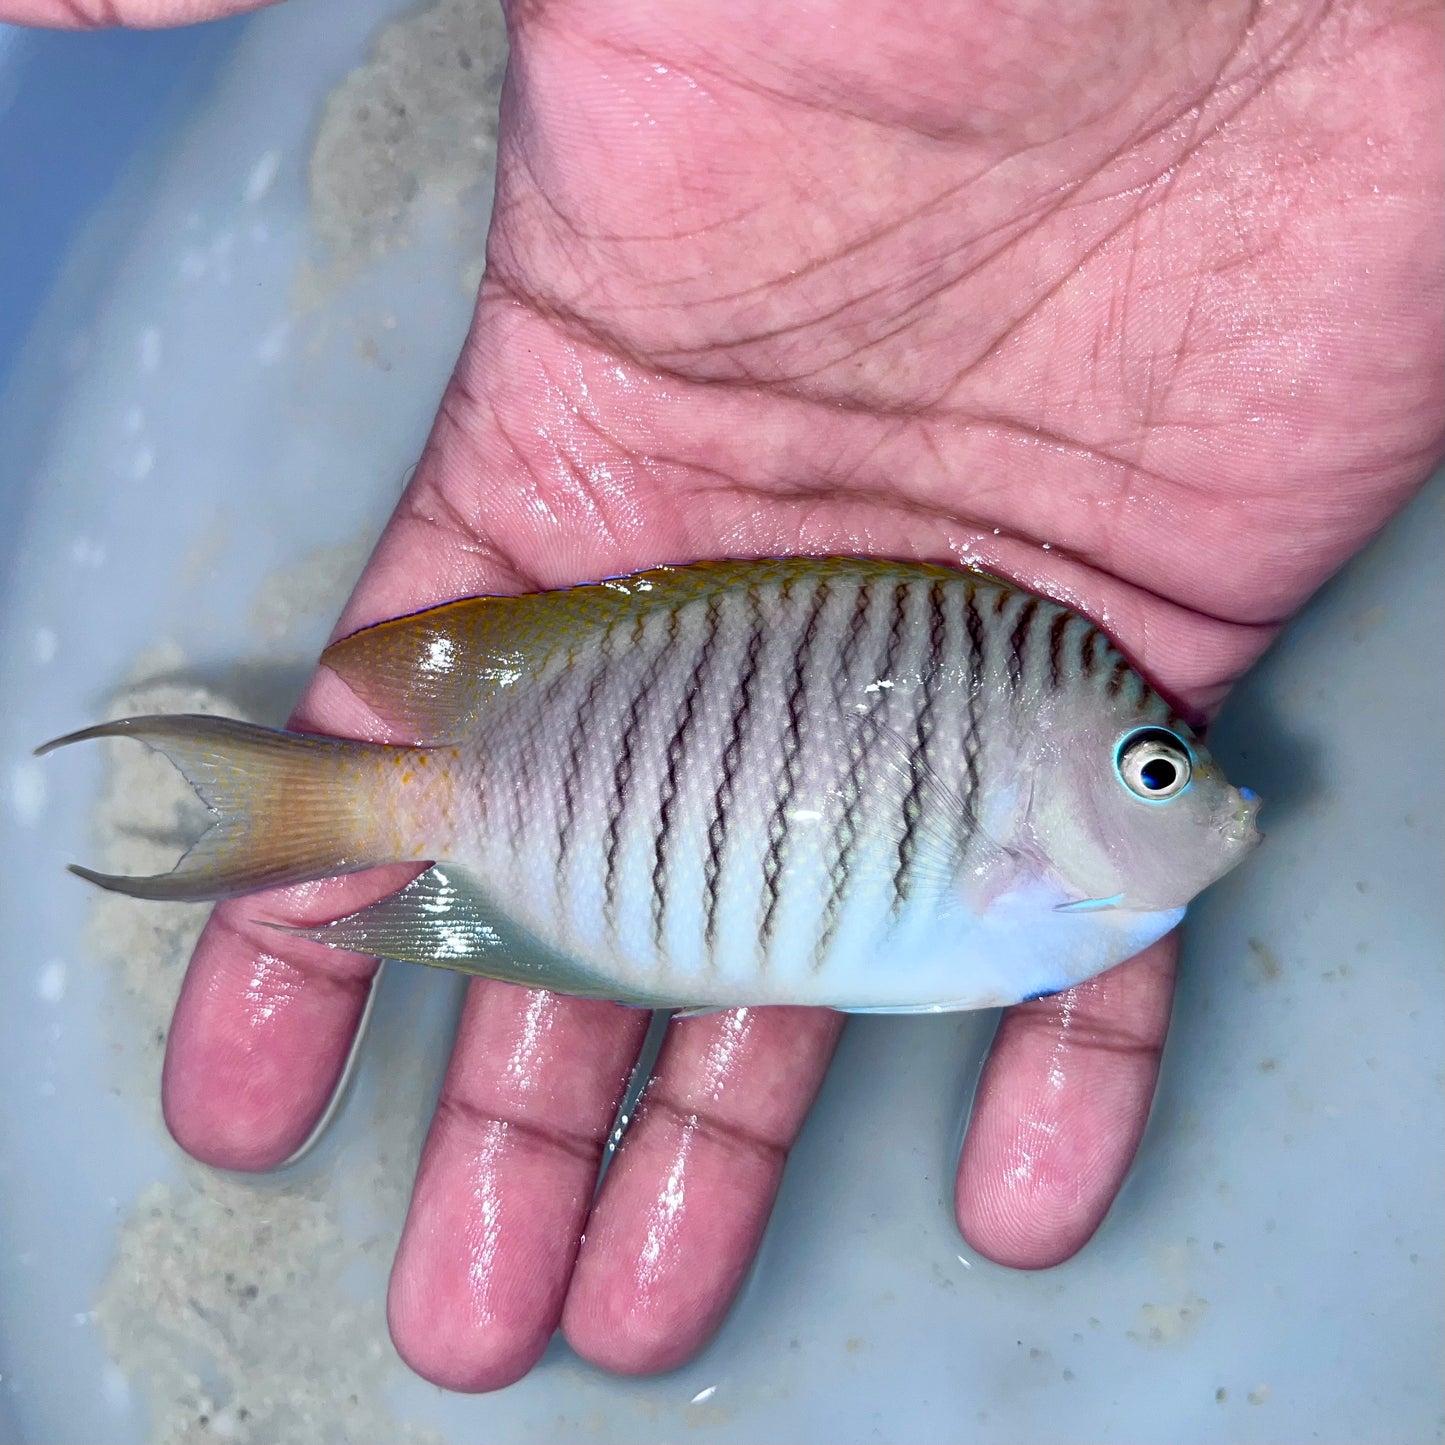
[{"x": 870, "y": 785}]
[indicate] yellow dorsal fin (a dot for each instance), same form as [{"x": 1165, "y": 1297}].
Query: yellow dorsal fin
[{"x": 430, "y": 673}]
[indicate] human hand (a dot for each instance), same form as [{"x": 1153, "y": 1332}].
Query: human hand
[{"x": 1146, "y": 315}]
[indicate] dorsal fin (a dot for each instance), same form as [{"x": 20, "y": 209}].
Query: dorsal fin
[
  {"x": 431, "y": 672},
  {"x": 428, "y": 673}
]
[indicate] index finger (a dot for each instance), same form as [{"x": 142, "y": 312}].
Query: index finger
[{"x": 264, "y": 1024}]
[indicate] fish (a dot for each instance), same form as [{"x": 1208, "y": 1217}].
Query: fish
[{"x": 869, "y": 785}]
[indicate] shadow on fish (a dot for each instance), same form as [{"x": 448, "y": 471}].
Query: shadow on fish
[{"x": 874, "y": 786}]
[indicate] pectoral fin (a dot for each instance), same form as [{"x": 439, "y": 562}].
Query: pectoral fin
[{"x": 1090, "y": 905}]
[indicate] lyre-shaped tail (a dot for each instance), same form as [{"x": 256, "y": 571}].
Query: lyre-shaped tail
[{"x": 288, "y": 807}]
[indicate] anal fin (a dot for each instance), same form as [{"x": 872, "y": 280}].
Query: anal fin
[{"x": 442, "y": 918}]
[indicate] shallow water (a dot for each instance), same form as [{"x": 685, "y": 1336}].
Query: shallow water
[{"x": 209, "y": 420}]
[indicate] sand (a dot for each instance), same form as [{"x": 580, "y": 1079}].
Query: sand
[
  {"x": 252, "y": 1309},
  {"x": 235, "y": 1305}
]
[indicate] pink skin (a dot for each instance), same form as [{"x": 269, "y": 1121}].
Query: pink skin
[{"x": 1160, "y": 291}]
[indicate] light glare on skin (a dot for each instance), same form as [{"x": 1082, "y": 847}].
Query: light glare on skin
[
  {"x": 722, "y": 1058},
  {"x": 538, "y": 1016},
  {"x": 272, "y": 989},
  {"x": 665, "y": 1218},
  {"x": 484, "y": 1223},
  {"x": 1061, "y": 1040},
  {"x": 1036, "y": 1133}
]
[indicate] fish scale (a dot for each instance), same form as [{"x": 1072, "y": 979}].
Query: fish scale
[
  {"x": 876, "y": 785},
  {"x": 761, "y": 766}
]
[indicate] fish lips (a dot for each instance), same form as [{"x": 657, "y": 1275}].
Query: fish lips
[{"x": 1240, "y": 825}]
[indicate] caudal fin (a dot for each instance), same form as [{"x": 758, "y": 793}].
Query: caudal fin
[{"x": 288, "y": 807}]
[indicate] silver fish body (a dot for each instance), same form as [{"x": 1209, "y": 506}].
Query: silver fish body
[{"x": 871, "y": 785}]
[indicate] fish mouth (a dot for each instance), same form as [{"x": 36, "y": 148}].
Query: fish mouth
[{"x": 1241, "y": 826}]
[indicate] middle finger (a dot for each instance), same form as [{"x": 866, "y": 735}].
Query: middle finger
[
  {"x": 506, "y": 1177},
  {"x": 683, "y": 1208}
]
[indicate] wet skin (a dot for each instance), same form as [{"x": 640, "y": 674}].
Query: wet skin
[{"x": 1163, "y": 293}]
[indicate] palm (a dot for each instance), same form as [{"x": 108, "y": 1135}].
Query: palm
[
  {"x": 952, "y": 329},
  {"x": 1172, "y": 317}
]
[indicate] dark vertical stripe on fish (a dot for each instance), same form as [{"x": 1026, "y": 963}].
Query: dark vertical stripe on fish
[
  {"x": 844, "y": 684},
  {"x": 1118, "y": 676},
  {"x": 1018, "y": 643},
  {"x": 579, "y": 737},
  {"x": 973, "y": 739},
  {"x": 1088, "y": 650},
  {"x": 535, "y": 732},
  {"x": 617, "y": 802},
  {"x": 793, "y": 734},
  {"x": 862, "y": 737},
  {"x": 626, "y": 766},
  {"x": 857, "y": 626},
  {"x": 731, "y": 760},
  {"x": 1056, "y": 648},
  {"x": 675, "y": 753},
  {"x": 917, "y": 755}
]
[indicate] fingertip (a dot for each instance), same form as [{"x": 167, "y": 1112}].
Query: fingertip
[
  {"x": 226, "y": 1110},
  {"x": 626, "y": 1343},
  {"x": 477, "y": 1283},
  {"x": 683, "y": 1209},
  {"x": 642, "y": 1300},
  {"x": 257, "y": 1048},
  {"x": 450, "y": 1347},
  {"x": 1061, "y": 1108},
  {"x": 1033, "y": 1184},
  {"x": 1033, "y": 1225},
  {"x": 612, "y": 1325},
  {"x": 216, "y": 1133}
]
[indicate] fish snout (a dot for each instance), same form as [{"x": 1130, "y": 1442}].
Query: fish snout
[{"x": 1240, "y": 824}]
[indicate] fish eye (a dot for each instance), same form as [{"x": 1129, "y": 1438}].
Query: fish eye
[{"x": 1154, "y": 764}]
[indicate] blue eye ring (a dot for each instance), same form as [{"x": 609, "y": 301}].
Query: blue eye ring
[{"x": 1154, "y": 764}]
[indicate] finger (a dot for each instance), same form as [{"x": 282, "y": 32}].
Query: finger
[
  {"x": 682, "y": 1211},
  {"x": 1060, "y": 1110},
  {"x": 507, "y": 1174},
  {"x": 263, "y": 1027},
  {"x": 134, "y": 14}
]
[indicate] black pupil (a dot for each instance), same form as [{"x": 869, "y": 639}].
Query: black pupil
[{"x": 1158, "y": 774}]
